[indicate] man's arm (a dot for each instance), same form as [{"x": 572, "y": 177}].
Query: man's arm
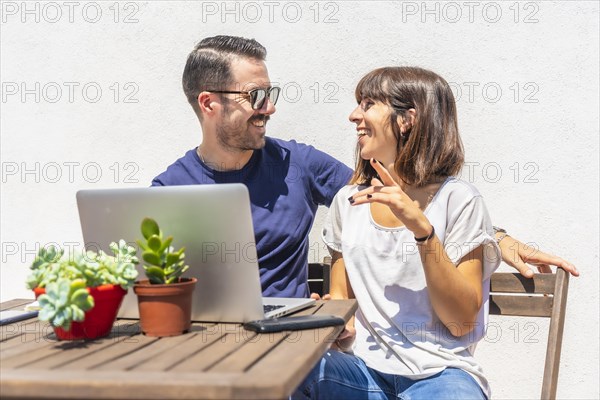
[{"x": 518, "y": 255}]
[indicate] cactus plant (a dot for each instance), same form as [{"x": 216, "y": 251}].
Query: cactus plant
[
  {"x": 163, "y": 265},
  {"x": 66, "y": 278}
]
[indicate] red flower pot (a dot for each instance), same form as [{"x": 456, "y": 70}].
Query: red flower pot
[{"x": 99, "y": 319}]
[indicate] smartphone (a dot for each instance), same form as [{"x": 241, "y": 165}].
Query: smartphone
[
  {"x": 293, "y": 323},
  {"x": 11, "y": 316}
]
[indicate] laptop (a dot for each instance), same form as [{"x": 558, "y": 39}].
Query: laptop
[{"x": 213, "y": 223}]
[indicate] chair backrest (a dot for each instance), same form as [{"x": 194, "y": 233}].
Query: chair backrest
[
  {"x": 545, "y": 295},
  {"x": 511, "y": 294},
  {"x": 319, "y": 276}
]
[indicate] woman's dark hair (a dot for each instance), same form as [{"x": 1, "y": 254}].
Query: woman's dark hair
[
  {"x": 431, "y": 148},
  {"x": 208, "y": 66}
]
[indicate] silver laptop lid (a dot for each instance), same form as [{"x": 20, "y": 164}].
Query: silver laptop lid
[{"x": 214, "y": 224}]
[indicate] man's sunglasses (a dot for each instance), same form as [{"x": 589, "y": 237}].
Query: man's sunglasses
[{"x": 257, "y": 96}]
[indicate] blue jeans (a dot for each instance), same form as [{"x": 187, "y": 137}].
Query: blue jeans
[{"x": 344, "y": 376}]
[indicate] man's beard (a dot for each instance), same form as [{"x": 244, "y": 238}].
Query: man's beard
[{"x": 236, "y": 137}]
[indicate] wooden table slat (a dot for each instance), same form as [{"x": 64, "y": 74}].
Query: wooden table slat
[
  {"x": 15, "y": 304},
  {"x": 25, "y": 345},
  {"x": 95, "y": 356},
  {"x": 341, "y": 308},
  {"x": 51, "y": 352},
  {"x": 25, "y": 333},
  {"x": 167, "y": 360},
  {"x": 213, "y": 361},
  {"x": 210, "y": 355},
  {"x": 303, "y": 348},
  {"x": 157, "y": 347},
  {"x": 50, "y": 384},
  {"x": 26, "y": 327},
  {"x": 247, "y": 356}
]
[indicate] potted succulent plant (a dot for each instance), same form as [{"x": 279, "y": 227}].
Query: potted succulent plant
[
  {"x": 165, "y": 298},
  {"x": 80, "y": 293}
]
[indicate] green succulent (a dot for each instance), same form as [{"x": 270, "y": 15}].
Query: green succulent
[
  {"x": 93, "y": 268},
  {"x": 163, "y": 265},
  {"x": 46, "y": 268},
  {"x": 66, "y": 278},
  {"x": 65, "y": 301}
]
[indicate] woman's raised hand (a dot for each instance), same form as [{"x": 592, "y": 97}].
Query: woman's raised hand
[{"x": 388, "y": 192}]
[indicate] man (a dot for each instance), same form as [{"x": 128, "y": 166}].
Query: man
[{"x": 227, "y": 84}]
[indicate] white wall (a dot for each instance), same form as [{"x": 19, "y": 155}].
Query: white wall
[{"x": 525, "y": 76}]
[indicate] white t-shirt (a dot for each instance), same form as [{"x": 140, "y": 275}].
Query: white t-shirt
[{"x": 397, "y": 331}]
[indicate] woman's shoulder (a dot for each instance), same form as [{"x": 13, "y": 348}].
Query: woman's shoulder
[
  {"x": 456, "y": 194},
  {"x": 349, "y": 190},
  {"x": 341, "y": 198},
  {"x": 456, "y": 187}
]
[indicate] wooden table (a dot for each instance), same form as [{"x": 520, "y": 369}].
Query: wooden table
[{"x": 215, "y": 361}]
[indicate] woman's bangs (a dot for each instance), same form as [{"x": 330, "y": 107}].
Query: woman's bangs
[{"x": 372, "y": 86}]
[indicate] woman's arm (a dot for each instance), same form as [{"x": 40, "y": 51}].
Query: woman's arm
[
  {"x": 341, "y": 289},
  {"x": 456, "y": 292},
  {"x": 340, "y": 285}
]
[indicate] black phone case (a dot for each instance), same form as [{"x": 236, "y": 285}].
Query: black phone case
[{"x": 293, "y": 323}]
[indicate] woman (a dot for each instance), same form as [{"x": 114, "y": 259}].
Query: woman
[{"x": 413, "y": 244}]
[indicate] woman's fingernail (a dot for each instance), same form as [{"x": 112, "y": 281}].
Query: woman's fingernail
[
  {"x": 350, "y": 199},
  {"x": 369, "y": 196},
  {"x": 373, "y": 161}
]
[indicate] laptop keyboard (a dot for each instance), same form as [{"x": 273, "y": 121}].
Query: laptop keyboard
[{"x": 271, "y": 307}]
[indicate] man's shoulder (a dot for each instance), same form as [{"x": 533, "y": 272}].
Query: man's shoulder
[
  {"x": 301, "y": 152},
  {"x": 179, "y": 172},
  {"x": 282, "y": 144}
]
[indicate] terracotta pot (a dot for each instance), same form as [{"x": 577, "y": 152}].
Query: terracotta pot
[
  {"x": 165, "y": 310},
  {"x": 100, "y": 319}
]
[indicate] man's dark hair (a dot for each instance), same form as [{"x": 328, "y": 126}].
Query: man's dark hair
[{"x": 208, "y": 66}]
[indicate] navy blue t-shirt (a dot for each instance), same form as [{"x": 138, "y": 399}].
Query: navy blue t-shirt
[{"x": 287, "y": 181}]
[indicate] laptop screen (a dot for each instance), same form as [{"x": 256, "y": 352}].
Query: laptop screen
[{"x": 213, "y": 223}]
